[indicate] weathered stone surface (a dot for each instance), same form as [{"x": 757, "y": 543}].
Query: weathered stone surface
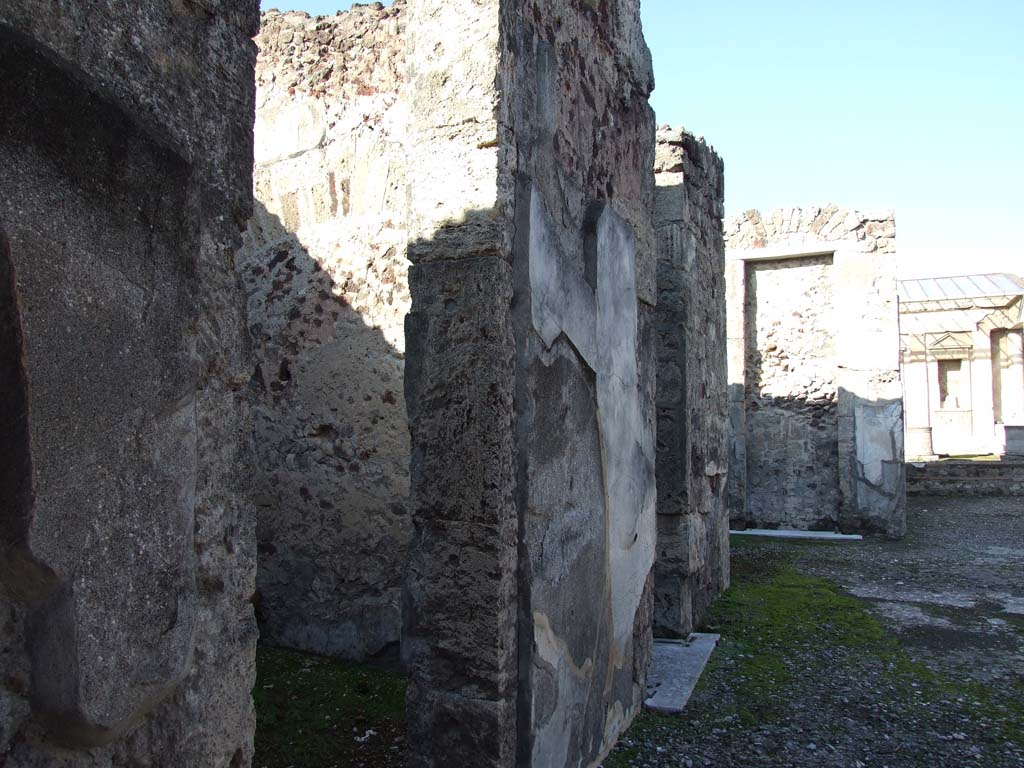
[
  {"x": 692, "y": 565},
  {"x": 816, "y": 409},
  {"x": 541, "y": 115},
  {"x": 585, "y": 415},
  {"x": 791, "y": 392},
  {"x": 587, "y": 462},
  {"x": 459, "y": 637},
  {"x": 325, "y": 269},
  {"x": 126, "y": 635},
  {"x": 460, "y": 596}
]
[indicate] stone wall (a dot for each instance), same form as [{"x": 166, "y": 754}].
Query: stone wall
[
  {"x": 459, "y": 602},
  {"x": 126, "y": 630},
  {"x": 791, "y": 391},
  {"x": 327, "y": 278},
  {"x": 530, "y": 380},
  {"x": 815, "y": 395},
  {"x": 693, "y": 526}
]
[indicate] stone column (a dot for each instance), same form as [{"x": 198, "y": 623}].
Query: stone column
[
  {"x": 983, "y": 419},
  {"x": 1008, "y": 365},
  {"x": 917, "y": 413}
]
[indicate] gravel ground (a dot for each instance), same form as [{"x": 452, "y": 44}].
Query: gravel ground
[{"x": 874, "y": 654}]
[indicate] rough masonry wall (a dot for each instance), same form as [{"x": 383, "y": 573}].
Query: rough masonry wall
[
  {"x": 791, "y": 393},
  {"x": 530, "y": 380},
  {"x": 459, "y": 600},
  {"x": 692, "y": 565},
  {"x": 126, "y": 630},
  {"x": 325, "y": 269},
  {"x": 815, "y": 408}
]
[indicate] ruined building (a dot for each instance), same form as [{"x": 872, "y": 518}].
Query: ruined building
[
  {"x": 421, "y": 385},
  {"x": 326, "y": 273},
  {"x": 555, "y": 499},
  {"x": 963, "y": 364},
  {"x": 815, "y": 399}
]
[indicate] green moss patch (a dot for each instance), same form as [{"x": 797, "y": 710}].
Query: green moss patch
[
  {"x": 313, "y": 712},
  {"x": 795, "y": 646}
]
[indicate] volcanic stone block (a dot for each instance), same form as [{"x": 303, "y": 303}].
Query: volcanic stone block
[
  {"x": 529, "y": 380},
  {"x": 111, "y": 388},
  {"x": 459, "y": 636}
]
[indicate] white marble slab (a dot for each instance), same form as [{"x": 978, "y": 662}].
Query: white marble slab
[{"x": 675, "y": 670}]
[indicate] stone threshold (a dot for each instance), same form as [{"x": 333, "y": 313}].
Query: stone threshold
[
  {"x": 675, "y": 669},
  {"x": 790, "y": 534}
]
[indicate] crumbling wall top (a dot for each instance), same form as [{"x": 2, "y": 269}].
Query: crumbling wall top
[
  {"x": 873, "y": 230},
  {"x": 675, "y": 144},
  {"x": 359, "y": 52}
]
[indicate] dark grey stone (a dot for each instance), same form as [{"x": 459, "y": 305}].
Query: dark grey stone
[
  {"x": 127, "y": 563},
  {"x": 459, "y": 602}
]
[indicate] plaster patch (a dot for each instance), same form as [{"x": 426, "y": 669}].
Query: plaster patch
[
  {"x": 563, "y": 303},
  {"x": 874, "y": 429},
  {"x": 552, "y": 738},
  {"x": 288, "y": 129}
]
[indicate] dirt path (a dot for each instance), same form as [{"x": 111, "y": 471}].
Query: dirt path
[{"x": 894, "y": 654}]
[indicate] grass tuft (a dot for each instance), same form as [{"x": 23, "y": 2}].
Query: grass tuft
[{"x": 314, "y": 712}]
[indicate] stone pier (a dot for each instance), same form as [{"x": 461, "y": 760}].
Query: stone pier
[
  {"x": 693, "y": 524},
  {"x": 530, "y": 380}
]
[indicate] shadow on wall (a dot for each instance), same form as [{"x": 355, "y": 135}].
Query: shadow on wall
[
  {"x": 124, "y": 576},
  {"x": 523, "y": 565},
  {"x": 15, "y": 453},
  {"x": 333, "y": 450}
]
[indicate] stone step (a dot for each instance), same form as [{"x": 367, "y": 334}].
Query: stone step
[{"x": 966, "y": 478}]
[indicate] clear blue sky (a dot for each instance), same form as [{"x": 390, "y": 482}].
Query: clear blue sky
[{"x": 916, "y": 105}]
